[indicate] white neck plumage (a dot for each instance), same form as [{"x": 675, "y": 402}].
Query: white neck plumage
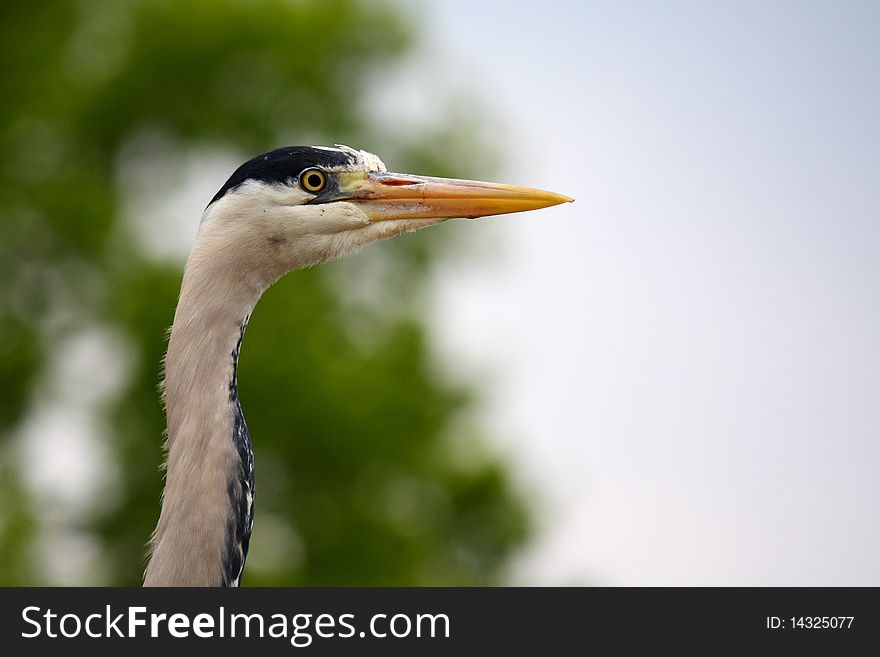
[{"x": 203, "y": 530}]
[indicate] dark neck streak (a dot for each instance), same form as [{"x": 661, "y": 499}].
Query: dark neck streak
[{"x": 241, "y": 488}]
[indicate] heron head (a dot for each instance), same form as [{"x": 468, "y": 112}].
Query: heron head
[{"x": 300, "y": 205}]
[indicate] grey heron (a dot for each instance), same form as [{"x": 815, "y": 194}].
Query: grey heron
[{"x": 286, "y": 209}]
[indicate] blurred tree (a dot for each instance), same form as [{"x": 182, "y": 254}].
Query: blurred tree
[{"x": 361, "y": 475}]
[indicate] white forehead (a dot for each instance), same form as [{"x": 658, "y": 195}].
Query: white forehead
[{"x": 361, "y": 159}]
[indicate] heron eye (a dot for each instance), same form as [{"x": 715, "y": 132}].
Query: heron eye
[{"x": 313, "y": 180}]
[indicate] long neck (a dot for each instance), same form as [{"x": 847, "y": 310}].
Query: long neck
[{"x": 207, "y": 506}]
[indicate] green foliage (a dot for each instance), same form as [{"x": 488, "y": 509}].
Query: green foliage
[{"x": 358, "y": 478}]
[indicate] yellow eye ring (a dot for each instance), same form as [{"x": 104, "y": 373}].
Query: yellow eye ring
[{"x": 313, "y": 180}]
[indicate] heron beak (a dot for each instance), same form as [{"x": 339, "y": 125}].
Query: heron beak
[{"x": 386, "y": 196}]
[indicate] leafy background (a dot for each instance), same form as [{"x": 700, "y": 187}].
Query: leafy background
[{"x": 369, "y": 471}]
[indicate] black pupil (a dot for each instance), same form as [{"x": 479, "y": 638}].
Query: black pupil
[{"x": 314, "y": 180}]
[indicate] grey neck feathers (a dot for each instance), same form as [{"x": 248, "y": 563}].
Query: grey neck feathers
[{"x": 207, "y": 507}]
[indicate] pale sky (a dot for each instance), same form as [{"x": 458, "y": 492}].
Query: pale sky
[{"x": 687, "y": 360}]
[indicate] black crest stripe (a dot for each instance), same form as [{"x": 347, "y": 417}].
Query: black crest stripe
[{"x": 285, "y": 164}]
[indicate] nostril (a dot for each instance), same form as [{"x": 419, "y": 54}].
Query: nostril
[{"x": 399, "y": 182}]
